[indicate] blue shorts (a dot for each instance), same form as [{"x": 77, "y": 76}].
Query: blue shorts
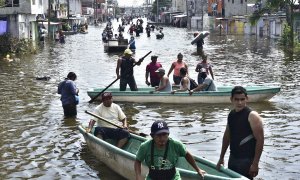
[
  {"x": 177, "y": 79},
  {"x": 111, "y": 133}
]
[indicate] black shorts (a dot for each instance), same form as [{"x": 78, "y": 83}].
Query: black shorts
[
  {"x": 111, "y": 133},
  {"x": 70, "y": 110},
  {"x": 240, "y": 165}
]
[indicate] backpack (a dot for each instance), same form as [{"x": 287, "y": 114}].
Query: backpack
[{"x": 193, "y": 84}]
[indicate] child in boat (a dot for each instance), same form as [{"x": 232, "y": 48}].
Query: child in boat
[{"x": 161, "y": 154}]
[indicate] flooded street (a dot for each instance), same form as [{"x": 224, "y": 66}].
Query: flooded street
[{"x": 38, "y": 143}]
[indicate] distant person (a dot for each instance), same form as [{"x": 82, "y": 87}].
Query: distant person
[
  {"x": 61, "y": 37},
  {"x": 244, "y": 134},
  {"x": 124, "y": 71},
  {"x": 207, "y": 66},
  {"x": 110, "y": 111},
  {"x": 150, "y": 69},
  {"x": 207, "y": 85},
  {"x": 56, "y": 36},
  {"x": 69, "y": 95},
  {"x": 199, "y": 44},
  {"x": 164, "y": 82},
  {"x": 131, "y": 44},
  {"x": 176, "y": 65},
  {"x": 161, "y": 154},
  {"x": 148, "y": 30}
]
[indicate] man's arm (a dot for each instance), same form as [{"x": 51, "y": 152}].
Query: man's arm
[
  {"x": 147, "y": 76},
  {"x": 124, "y": 121},
  {"x": 211, "y": 72},
  {"x": 258, "y": 132},
  {"x": 192, "y": 162},
  {"x": 118, "y": 68},
  {"x": 225, "y": 144},
  {"x": 91, "y": 125},
  {"x": 138, "y": 169},
  {"x": 171, "y": 69}
]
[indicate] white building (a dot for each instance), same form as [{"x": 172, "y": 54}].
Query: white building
[
  {"x": 21, "y": 17},
  {"x": 240, "y": 7}
]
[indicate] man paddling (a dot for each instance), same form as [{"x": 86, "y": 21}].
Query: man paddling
[
  {"x": 109, "y": 110},
  {"x": 125, "y": 65},
  {"x": 161, "y": 154},
  {"x": 245, "y": 135}
]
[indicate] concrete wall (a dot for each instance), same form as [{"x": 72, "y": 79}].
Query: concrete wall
[
  {"x": 24, "y": 8},
  {"x": 239, "y": 7},
  {"x": 178, "y": 5}
]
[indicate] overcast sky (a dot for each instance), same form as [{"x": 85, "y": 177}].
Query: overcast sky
[{"x": 130, "y": 2}]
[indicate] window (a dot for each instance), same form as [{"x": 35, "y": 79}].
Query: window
[{"x": 33, "y": 2}]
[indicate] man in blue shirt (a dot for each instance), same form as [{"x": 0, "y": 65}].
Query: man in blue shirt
[{"x": 69, "y": 95}]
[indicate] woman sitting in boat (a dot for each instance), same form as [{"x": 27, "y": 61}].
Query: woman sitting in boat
[
  {"x": 109, "y": 110},
  {"x": 164, "y": 83},
  {"x": 207, "y": 85},
  {"x": 161, "y": 154},
  {"x": 185, "y": 81}
]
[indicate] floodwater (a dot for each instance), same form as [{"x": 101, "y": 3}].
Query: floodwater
[{"x": 37, "y": 143}]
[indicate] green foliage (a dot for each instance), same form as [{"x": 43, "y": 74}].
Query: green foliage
[
  {"x": 2, "y": 3},
  {"x": 10, "y": 44},
  {"x": 285, "y": 38}
]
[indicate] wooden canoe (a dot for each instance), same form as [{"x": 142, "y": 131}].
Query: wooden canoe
[
  {"x": 144, "y": 95},
  {"x": 122, "y": 160}
]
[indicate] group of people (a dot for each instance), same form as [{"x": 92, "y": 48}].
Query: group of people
[
  {"x": 244, "y": 133},
  {"x": 158, "y": 78}
]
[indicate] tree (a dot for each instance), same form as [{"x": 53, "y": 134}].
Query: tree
[{"x": 275, "y": 6}]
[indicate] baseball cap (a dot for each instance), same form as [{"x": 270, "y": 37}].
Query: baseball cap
[
  {"x": 106, "y": 96},
  {"x": 159, "y": 127},
  {"x": 160, "y": 70},
  {"x": 127, "y": 51}
]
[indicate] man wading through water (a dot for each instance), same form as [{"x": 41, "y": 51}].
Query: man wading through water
[
  {"x": 161, "y": 155},
  {"x": 245, "y": 135}
]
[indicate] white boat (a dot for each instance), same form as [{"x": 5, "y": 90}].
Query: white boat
[
  {"x": 146, "y": 95},
  {"x": 114, "y": 45}
]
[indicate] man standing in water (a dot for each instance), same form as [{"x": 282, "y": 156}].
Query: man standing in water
[
  {"x": 150, "y": 69},
  {"x": 125, "y": 65},
  {"x": 245, "y": 135},
  {"x": 68, "y": 91}
]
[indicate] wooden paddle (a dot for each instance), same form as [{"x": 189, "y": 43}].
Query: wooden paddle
[
  {"x": 140, "y": 60},
  {"x": 111, "y": 123}
]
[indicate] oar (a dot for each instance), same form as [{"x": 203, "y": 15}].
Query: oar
[
  {"x": 111, "y": 123},
  {"x": 95, "y": 97}
]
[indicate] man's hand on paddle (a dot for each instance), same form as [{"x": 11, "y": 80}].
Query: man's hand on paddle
[
  {"x": 201, "y": 172},
  {"x": 253, "y": 171}
]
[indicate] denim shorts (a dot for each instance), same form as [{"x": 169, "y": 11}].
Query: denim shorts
[{"x": 111, "y": 133}]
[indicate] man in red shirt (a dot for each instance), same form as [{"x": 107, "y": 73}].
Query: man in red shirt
[{"x": 150, "y": 69}]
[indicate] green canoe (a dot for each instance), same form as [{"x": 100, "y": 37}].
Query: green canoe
[{"x": 122, "y": 160}]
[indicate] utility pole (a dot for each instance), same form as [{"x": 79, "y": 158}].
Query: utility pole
[
  {"x": 68, "y": 13},
  {"x": 202, "y": 14},
  {"x": 48, "y": 18},
  {"x": 157, "y": 9}
]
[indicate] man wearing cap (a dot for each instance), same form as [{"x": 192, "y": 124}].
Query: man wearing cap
[
  {"x": 161, "y": 154},
  {"x": 125, "y": 65},
  {"x": 150, "y": 69},
  {"x": 69, "y": 95},
  {"x": 164, "y": 82},
  {"x": 207, "y": 85},
  {"x": 111, "y": 111}
]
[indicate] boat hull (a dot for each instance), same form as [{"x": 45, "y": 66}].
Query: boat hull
[
  {"x": 144, "y": 95},
  {"x": 122, "y": 161}
]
